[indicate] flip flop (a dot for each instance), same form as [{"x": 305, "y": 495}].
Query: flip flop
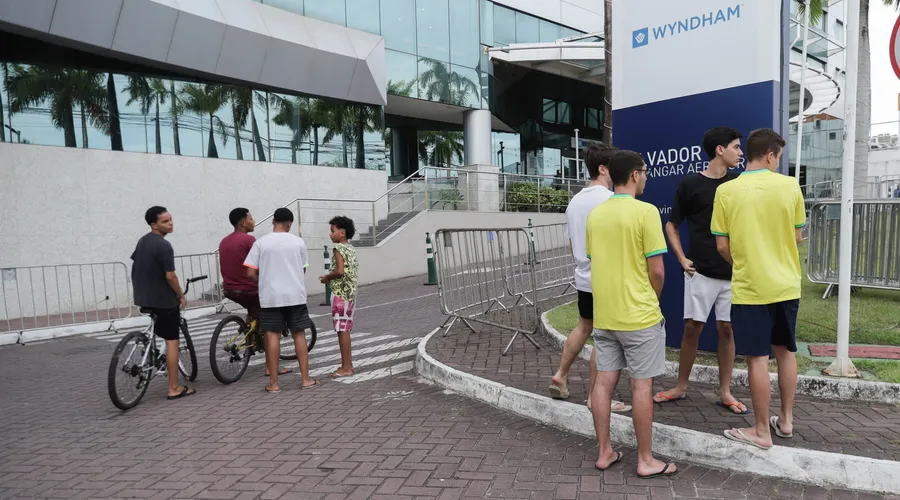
[
  {"x": 773, "y": 423},
  {"x": 625, "y": 408},
  {"x": 744, "y": 439},
  {"x": 667, "y": 399},
  {"x": 185, "y": 392},
  {"x": 559, "y": 392},
  {"x": 270, "y": 391},
  {"x": 664, "y": 472},
  {"x": 619, "y": 456},
  {"x": 315, "y": 383},
  {"x": 335, "y": 374},
  {"x": 282, "y": 371},
  {"x": 734, "y": 407}
]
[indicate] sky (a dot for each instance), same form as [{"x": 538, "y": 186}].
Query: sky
[{"x": 885, "y": 84}]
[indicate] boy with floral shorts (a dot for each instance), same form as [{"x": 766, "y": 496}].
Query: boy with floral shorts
[{"x": 342, "y": 277}]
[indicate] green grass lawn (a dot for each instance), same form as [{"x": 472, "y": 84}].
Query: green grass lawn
[{"x": 874, "y": 319}]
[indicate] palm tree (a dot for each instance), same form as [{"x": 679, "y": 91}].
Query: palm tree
[
  {"x": 293, "y": 113},
  {"x": 5, "y": 76},
  {"x": 139, "y": 90},
  {"x": 864, "y": 87},
  {"x": 443, "y": 85},
  {"x": 440, "y": 148},
  {"x": 207, "y": 100},
  {"x": 607, "y": 47},
  {"x": 363, "y": 118},
  {"x": 115, "y": 127},
  {"x": 62, "y": 89},
  {"x": 336, "y": 119},
  {"x": 175, "y": 111}
]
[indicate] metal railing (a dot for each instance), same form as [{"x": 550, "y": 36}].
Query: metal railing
[
  {"x": 203, "y": 293},
  {"x": 554, "y": 262},
  {"x": 36, "y": 297},
  {"x": 876, "y": 244},
  {"x": 487, "y": 276}
]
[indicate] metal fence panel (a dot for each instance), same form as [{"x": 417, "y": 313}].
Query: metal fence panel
[
  {"x": 554, "y": 262},
  {"x": 875, "y": 259},
  {"x": 202, "y": 293},
  {"x": 37, "y": 297},
  {"x": 488, "y": 276}
]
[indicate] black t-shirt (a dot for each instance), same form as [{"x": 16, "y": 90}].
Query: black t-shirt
[
  {"x": 694, "y": 202},
  {"x": 153, "y": 257}
]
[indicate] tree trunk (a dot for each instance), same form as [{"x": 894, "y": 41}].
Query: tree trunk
[
  {"x": 158, "y": 137},
  {"x": 175, "y": 138},
  {"x": 863, "y": 106},
  {"x": 2, "y": 124},
  {"x": 607, "y": 99},
  {"x": 315, "y": 145},
  {"x": 360, "y": 142},
  {"x": 211, "y": 151},
  {"x": 115, "y": 128},
  {"x": 260, "y": 152},
  {"x": 84, "y": 137},
  {"x": 294, "y": 151},
  {"x": 68, "y": 123},
  {"x": 237, "y": 133},
  {"x": 344, "y": 149}
]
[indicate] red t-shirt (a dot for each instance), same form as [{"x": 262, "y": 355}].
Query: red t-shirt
[{"x": 233, "y": 251}]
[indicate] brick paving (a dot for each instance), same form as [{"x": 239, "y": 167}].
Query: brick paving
[
  {"x": 396, "y": 437},
  {"x": 855, "y": 428}
]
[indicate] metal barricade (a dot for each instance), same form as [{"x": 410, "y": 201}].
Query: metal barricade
[
  {"x": 554, "y": 262},
  {"x": 37, "y": 297},
  {"x": 876, "y": 244},
  {"x": 203, "y": 293},
  {"x": 488, "y": 276}
]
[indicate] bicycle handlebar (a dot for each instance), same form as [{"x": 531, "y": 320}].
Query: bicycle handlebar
[{"x": 187, "y": 285}]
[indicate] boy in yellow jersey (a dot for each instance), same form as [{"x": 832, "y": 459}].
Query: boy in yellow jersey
[
  {"x": 625, "y": 239},
  {"x": 757, "y": 219}
]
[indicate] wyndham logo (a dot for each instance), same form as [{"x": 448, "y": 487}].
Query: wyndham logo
[{"x": 641, "y": 37}]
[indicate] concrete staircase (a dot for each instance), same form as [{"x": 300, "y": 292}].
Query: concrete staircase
[{"x": 384, "y": 228}]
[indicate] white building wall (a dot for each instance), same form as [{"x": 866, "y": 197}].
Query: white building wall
[{"x": 66, "y": 205}]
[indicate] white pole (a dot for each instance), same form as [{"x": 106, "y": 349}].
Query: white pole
[
  {"x": 577, "y": 164},
  {"x": 842, "y": 366},
  {"x": 805, "y": 27}
]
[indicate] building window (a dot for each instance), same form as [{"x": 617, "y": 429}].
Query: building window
[
  {"x": 839, "y": 31},
  {"x": 592, "y": 118},
  {"x": 832, "y": 136},
  {"x": 556, "y": 111}
]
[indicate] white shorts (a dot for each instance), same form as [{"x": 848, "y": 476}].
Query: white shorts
[{"x": 701, "y": 293}]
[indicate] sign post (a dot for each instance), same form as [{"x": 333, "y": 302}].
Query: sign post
[{"x": 683, "y": 68}]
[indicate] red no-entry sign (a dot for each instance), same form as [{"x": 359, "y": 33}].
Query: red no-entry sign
[{"x": 895, "y": 48}]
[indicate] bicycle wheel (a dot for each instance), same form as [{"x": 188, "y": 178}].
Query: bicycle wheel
[
  {"x": 128, "y": 379},
  {"x": 289, "y": 350},
  {"x": 187, "y": 356},
  {"x": 227, "y": 359}
]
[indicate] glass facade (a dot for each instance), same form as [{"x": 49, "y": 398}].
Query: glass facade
[{"x": 56, "y": 106}]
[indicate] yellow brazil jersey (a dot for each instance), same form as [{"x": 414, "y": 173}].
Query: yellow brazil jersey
[
  {"x": 759, "y": 212},
  {"x": 621, "y": 235}
]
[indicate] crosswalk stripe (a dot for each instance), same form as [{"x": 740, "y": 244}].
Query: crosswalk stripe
[
  {"x": 368, "y": 361},
  {"x": 358, "y": 353},
  {"x": 378, "y": 373},
  {"x": 316, "y": 350}
]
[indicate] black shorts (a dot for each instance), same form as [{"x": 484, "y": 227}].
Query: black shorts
[
  {"x": 168, "y": 322},
  {"x": 246, "y": 299},
  {"x": 277, "y": 319},
  {"x": 586, "y": 304},
  {"x": 758, "y": 327}
]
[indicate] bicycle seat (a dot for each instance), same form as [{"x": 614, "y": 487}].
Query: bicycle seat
[{"x": 147, "y": 310}]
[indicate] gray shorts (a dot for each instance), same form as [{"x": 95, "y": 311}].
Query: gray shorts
[{"x": 643, "y": 352}]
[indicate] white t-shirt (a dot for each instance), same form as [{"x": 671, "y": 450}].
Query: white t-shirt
[
  {"x": 281, "y": 260},
  {"x": 577, "y": 213}
]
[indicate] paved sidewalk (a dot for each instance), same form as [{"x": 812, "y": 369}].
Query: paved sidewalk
[{"x": 855, "y": 428}]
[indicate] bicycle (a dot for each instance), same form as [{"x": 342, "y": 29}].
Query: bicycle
[
  {"x": 241, "y": 341},
  {"x": 151, "y": 359}
]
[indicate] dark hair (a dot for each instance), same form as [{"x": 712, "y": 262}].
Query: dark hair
[
  {"x": 153, "y": 213},
  {"x": 763, "y": 141},
  {"x": 596, "y": 157},
  {"x": 237, "y": 215},
  {"x": 719, "y": 136},
  {"x": 283, "y": 215},
  {"x": 345, "y": 223},
  {"x": 621, "y": 164}
]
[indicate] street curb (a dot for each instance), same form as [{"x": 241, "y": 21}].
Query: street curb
[
  {"x": 841, "y": 389},
  {"x": 810, "y": 466},
  {"x": 57, "y": 332}
]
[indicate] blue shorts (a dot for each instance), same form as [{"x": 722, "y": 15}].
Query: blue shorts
[{"x": 758, "y": 327}]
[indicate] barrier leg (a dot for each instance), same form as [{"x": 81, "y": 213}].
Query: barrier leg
[
  {"x": 429, "y": 251},
  {"x": 327, "y": 286}
]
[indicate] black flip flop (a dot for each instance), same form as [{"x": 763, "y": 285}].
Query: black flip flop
[
  {"x": 281, "y": 371},
  {"x": 660, "y": 473},
  {"x": 184, "y": 393},
  {"x": 619, "y": 456}
]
